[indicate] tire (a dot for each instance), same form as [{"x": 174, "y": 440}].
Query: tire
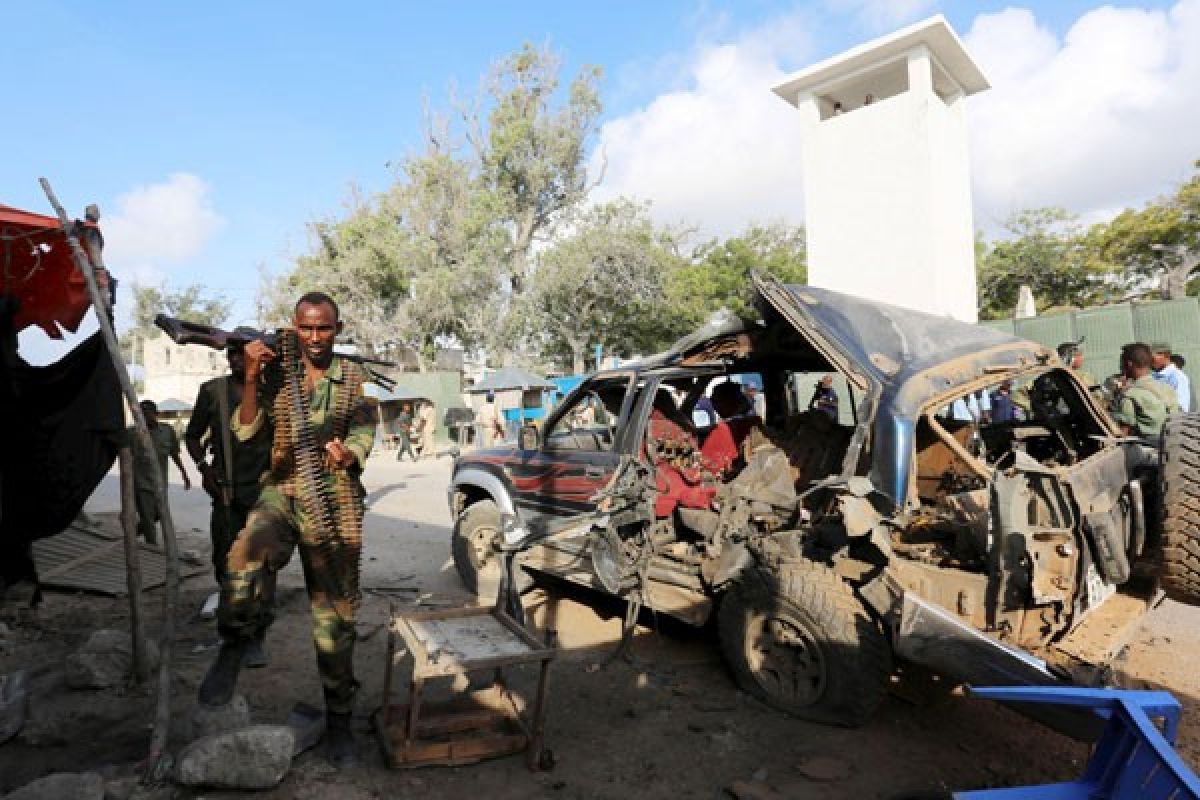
[
  {"x": 1179, "y": 473},
  {"x": 474, "y": 548},
  {"x": 802, "y": 642}
]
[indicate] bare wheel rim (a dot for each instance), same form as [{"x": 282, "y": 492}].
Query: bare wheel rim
[
  {"x": 482, "y": 544},
  {"x": 785, "y": 659}
]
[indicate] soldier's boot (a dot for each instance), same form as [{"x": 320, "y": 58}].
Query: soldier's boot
[
  {"x": 255, "y": 655},
  {"x": 221, "y": 680},
  {"x": 340, "y": 749}
]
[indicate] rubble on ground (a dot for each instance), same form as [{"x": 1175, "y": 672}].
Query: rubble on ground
[
  {"x": 212, "y": 720},
  {"x": 257, "y": 757},
  {"x": 75, "y": 785},
  {"x": 105, "y": 660}
]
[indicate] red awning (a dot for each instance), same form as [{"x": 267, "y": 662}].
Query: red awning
[{"x": 36, "y": 266}]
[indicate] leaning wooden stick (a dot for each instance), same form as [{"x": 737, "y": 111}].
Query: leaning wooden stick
[
  {"x": 133, "y": 565},
  {"x": 155, "y": 763}
]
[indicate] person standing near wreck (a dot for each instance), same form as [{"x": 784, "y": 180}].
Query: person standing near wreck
[
  {"x": 232, "y": 478},
  {"x": 322, "y": 430},
  {"x": 166, "y": 445}
]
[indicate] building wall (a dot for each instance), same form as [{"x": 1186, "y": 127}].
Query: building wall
[
  {"x": 173, "y": 371},
  {"x": 888, "y": 197}
]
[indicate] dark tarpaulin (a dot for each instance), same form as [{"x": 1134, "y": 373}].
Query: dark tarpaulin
[{"x": 60, "y": 429}]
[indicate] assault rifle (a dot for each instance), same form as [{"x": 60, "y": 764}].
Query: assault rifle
[{"x": 181, "y": 331}]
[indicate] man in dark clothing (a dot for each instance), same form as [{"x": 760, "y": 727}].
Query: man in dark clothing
[
  {"x": 404, "y": 422},
  {"x": 1003, "y": 407},
  {"x": 825, "y": 398},
  {"x": 232, "y": 478},
  {"x": 166, "y": 445}
]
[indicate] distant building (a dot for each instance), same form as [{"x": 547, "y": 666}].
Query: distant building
[{"x": 175, "y": 372}]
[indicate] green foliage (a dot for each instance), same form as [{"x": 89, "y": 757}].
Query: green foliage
[
  {"x": 718, "y": 275},
  {"x": 193, "y": 303},
  {"x": 1045, "y": 250},
  {"x": 602, "y": 284}
]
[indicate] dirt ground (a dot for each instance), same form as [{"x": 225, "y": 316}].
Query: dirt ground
[{"x": 669, "y": 724}]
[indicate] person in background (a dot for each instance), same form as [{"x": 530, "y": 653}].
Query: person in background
[
  {"x": 722, "y": 448},
  {"x": 491, "y": 427},
  {"x": 1166, "y": 371},
  {"x": 1071, "y": 354},
  {"x": 758, "y": 403},
  {"x": 426, "y": 426},
  {"x": 166, "y": 445},
  {"x": 1003, "y": 407},
  {"x": 1145, "y": 403},
  {"x": 404, "y": 424},
  {"x": 824, "y": 398},
  {"x": 1178, "y": 360}
]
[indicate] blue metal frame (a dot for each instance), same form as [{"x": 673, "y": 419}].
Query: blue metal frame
[{"x": 1132, "y": 759}]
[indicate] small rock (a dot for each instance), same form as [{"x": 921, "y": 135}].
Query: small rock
[
  {"x": 14, "y": 704},
  {"x": 824, "y": 769},
  {"x": 106, "y": 659},
  {"x": 211, "y": 720},
  {"x": 121, "y": 788},
  {"x": 75, "y": 785},
  {"x": 760, "y": 775},
  {"x": 253, "y": 758}
]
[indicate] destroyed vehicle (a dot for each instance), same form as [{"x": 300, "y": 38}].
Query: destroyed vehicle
[{"x": 909, "y": 530}]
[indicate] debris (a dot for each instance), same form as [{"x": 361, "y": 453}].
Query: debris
[
  {"x": 106, "y": 659},
  {"x": 121, "y": 788},
  {"x": 752, "y": 790},
  {"x": 191, "y": 557},
  {"x": 75, "y": 785},
  {"x": 14, "y": 701},
  {"x": 212, "y": 720},
  {"x": 824, "y": 768},
  {"x": 252, "y": 758},
  {"x": 308, "y": 726}
]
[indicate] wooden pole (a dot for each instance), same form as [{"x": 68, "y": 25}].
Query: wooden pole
[
  {"x": 133, "y": 564},
  {"x": 156, "y": 766}
]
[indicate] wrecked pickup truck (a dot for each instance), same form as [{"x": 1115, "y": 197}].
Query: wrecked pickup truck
[{"x": 905, "y": 527}]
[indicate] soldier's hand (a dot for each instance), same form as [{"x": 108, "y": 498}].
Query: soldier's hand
[
  {"x": 208, "y": 480},
  {"x": 257, "y": 354},
  {"x": 338, "y": 456}
]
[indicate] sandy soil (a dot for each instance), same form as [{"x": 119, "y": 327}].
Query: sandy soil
[{"x": 669, "y": 724}]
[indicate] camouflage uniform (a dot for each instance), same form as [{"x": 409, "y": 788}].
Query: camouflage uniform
[
  {"x": 250, "y": 460},
  {"x": 1145, "y": 405},
  {"x": 278, "y": 523},
  {"x": 166, "y": 444}
]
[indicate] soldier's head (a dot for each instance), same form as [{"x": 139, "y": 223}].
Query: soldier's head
[
  {"x": 1160, "y": 354},
  {"x": 1071, "y": 354},
  {"x": 728, "y": 399},
  {"x": 150, "y": 412},
  {"x": 317, "y": 322},
  {"x": 1135, "y": 360}
]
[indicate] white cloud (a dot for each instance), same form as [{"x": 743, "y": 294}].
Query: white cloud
[
  {"x": 880, "y": 15},
  {"x": 704, "y": 154},
  {"x": 158, "y": 226},
  {"x": 1103, "y": 118}
]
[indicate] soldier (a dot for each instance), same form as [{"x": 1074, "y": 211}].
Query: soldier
[
  {"x": 311, "y": 498},
  {"x": 1071, "y": 354},
  {"x": 1144, "y": 404},
  {"x": 166, "y": 445},
  {"x": 404, "y": 423},
  {"x": 232, "y": 479}
]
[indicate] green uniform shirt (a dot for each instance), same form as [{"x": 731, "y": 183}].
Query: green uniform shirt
[
  {"x": 1145, "y": 405},
  {"x": 251, "y": 458},
  {"x": 360, "y": 435},
  {"x": 166, "y": 444}
]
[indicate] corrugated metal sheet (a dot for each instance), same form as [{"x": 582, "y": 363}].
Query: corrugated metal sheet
[{"x": 93, "y": 559}]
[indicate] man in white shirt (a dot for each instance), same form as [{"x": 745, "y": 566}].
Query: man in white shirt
[{"x": 1173, "y": 376}]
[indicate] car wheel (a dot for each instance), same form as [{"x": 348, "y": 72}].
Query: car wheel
[
  {"x": 802, "y": 642},
  {"x": 475, "y": 548},
  {"x": 1179, "y": 472}
]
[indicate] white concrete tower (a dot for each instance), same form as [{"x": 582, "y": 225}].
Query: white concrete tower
[{"x": 887, "y": 186}]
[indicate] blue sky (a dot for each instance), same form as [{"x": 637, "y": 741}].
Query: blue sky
[{"x": 266, "y": 112}]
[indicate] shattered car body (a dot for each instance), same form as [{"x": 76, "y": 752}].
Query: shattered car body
[{"x": 1013, "y": 552}]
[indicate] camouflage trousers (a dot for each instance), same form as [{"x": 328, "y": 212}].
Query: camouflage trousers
[
  {"x": 223, "y": 526},
  {"x": 275, "y": 527}
]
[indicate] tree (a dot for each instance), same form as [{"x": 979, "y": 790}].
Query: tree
[
  {"x": 718, "y": 275},
  {"x": 1156, "y": 247},
  {"x": 533, "y": 154},
  {"x": 602, "y": 284},
  {"x": 1046, "y": 251},
  {"x": 193, "y": 303}
]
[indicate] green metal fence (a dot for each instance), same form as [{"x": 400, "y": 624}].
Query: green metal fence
[{"x": 1107, "y": 328}]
